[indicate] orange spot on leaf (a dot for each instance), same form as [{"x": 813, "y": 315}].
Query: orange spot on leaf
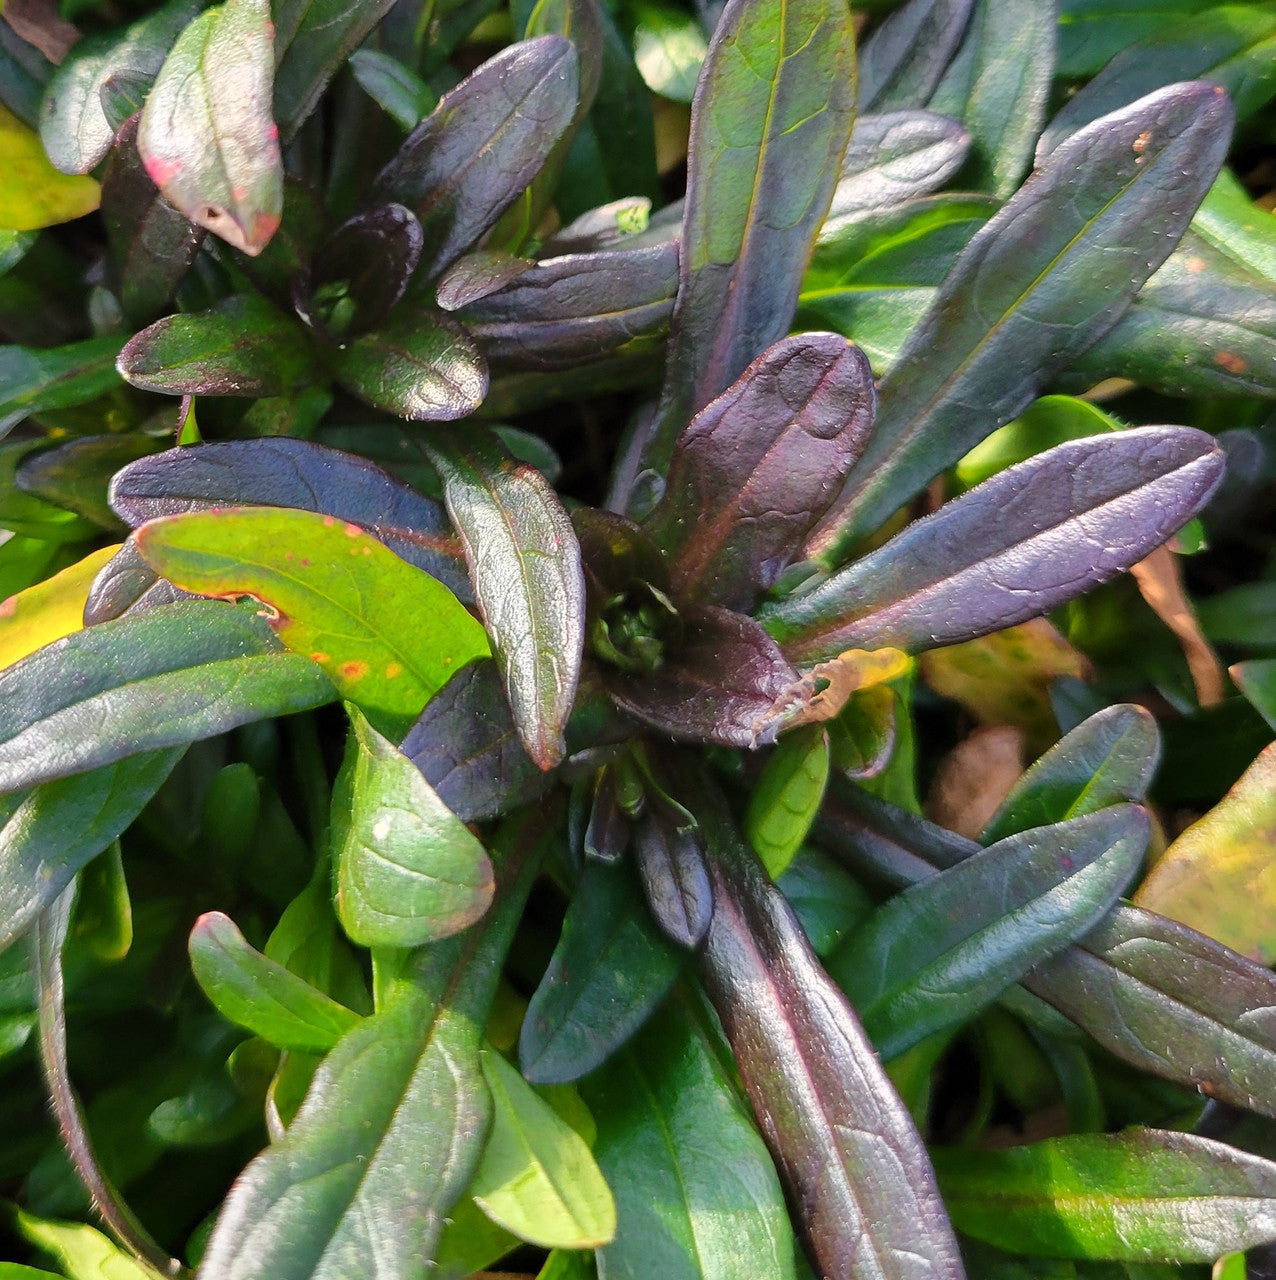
[
  {"x": 394, "y": 669},
  {"x": 161, "y": 170},
  {"x": 353, "y": 670},
  {"x": 329, "y": 521},
  {"x": 353, "y": 531},
  {"x": 1230, "y": 361},
  {"x": 9, "y": 607},
  {"x": 320, "y": 656}
]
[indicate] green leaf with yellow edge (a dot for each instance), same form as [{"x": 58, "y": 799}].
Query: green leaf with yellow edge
[
  {"x": 538, "y": 1179},
  {"x": 1219, "y": 876},
  {"x": 787, "y": 797},
  {"x": 328, "y": 582},
  {"x": 34, "y": 194},
  {"x": 49, "y": 610}
]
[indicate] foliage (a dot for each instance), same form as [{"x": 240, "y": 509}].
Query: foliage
[{"x": 570, "y": 696}]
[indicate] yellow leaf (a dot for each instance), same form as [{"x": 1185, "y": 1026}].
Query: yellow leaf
[
  {"x": 49, "y": 610},
  {"x": 824, "y": 690},
  {"x": 1219, "y": 876},
  {"x": 33, "y": 194}
]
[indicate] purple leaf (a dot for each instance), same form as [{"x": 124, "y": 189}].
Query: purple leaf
[
  {"x": 674, "y": 876},
  {"x": 1026, "y": 541},
  {"x": 769, "y": 124},
  {"x": 152, "y": 245},
  {"x": 127, "y": 584},
  {"x": 843, "y": 1142},
  {"x": 370, "y": 260},
  {"x": 756, "y": 468},
  {"x": 902, "y": 62},
  {"x": 467, "y": 161},
  {"x": 718, "y": 685},
  {"x": 466, "y": 745},
  {"x": 1042, "y": 280},
  {"x": 579, "y": 307},
  {"x": 476, "y": 275},
  {"x": 524, "y": 562},
  {"x": 298, "y": 474}
]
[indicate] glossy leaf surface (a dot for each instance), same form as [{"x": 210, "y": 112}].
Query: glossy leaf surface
[
  {"x": 771, "y": 118},
  {"x": 391, "y": 1127},
  {"x": 207, "y": 136},
  {"x": 399, "y": 91},
  {"x": 844, "y": 1143},
  {"x": 242, "y": 347},
  {"x": 299, "y": 474},
  {"x": 998, "y": 86},
  {"x": 1217, "y": 876},
  {"x": 1231, "y": 47},
  {"x": 578, "y": 307},
  {"x": 1018, "y": 545},
  {"x": 474, "y": 276},
  {"x": 537, "y": 1177},
  {"x": 466, "y": 745},
  {"x": 671, "y": 863},
  {"x": 524, "y": 563},
  {"x": 74, "y": 126},
  {"x": 323, "y": 579},
  {"x": 34, "y": 380},
  {"x": 166, "y": 678},
  {"x": 313, "y": 38},
  {"x": 894, "y": 157},
  {"x": 254, "y": 992},
  {"x": 467, "y": 161},
  {"x": 152, "y": 245},
  {"x": 419, "y": 365},
  {"x": 697, "y": 1197},
  {"x": 718, "y": 685},
  {"x": 408, "y": 870},
  {"x": 1145, "y": 1195},
  {"x": 903, "y": 60},
  {"x": 1107, "y": 759},
  {"x": 755, "y": 469},
  {"x": 787, "y": 797},
  {"x": 48, "y": 833},
  {"x": 1075, "y": 244},
  {"x": 934, "y": 954},
  {"x": 609, "y": 971}
]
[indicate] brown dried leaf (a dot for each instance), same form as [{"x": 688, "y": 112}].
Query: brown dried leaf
[
  {"x": 823, "y": 691},
  {"x": 975, "y": 777}
]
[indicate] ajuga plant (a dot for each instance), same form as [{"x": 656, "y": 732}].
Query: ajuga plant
[{"x": 527, "y": 762}]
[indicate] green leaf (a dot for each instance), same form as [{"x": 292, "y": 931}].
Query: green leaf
[
  {"x": 827, "y": 901},
  {"x": 1232, "y": 223},
  {"x": 254, "y": 992},
  {"x": 537, "y": 1177},
  {"x": 669, "y": 48},
  {"x": 74, "y": 126},
  {"x": 1043, "y": 424},
  {"x": 16, "y": 1271},
  {"x": 1092, "y": 31},
  {"x": 998, "y": 86},
  {"x": 408, "y": 870},
  {"x": 312, "y": 39},
  {"x": 35, "y": 194},
  {"x": 388, "y": 662},
  {"x": 936, "y": 954},
  {"x": 1218, "y": 876},
  {"x": 1076, "y": 244},
  {"x": 166, "y": 677},
  {"x": 787, "y": 797},
  {"x": 35, "y": 380},
  {"x": 82, "y": 1252},
  {"x": 610, "y": 969},
  {"x": 401, "y": 93},
  {"x": 207, "y": 136},
  {"x": 1105, "y": 760},
  {"x": 1257, "y": 681},
  {"x": 696, "y": 1193},
  {"x": 902, "y": 61},
  {"x": 771, "y": 118},
  {"x": 48, "y": 833},
  {"x": 24, "y": 513},
  {"x": 525, "y": 564},
  {"x": 392, "y": 1127},
  {"x": 1140, "y": 1196},
  {"x": 242, "y": 347},
  {"x": 420, "y": 365},
  {"x": 874, "y": 278}
]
